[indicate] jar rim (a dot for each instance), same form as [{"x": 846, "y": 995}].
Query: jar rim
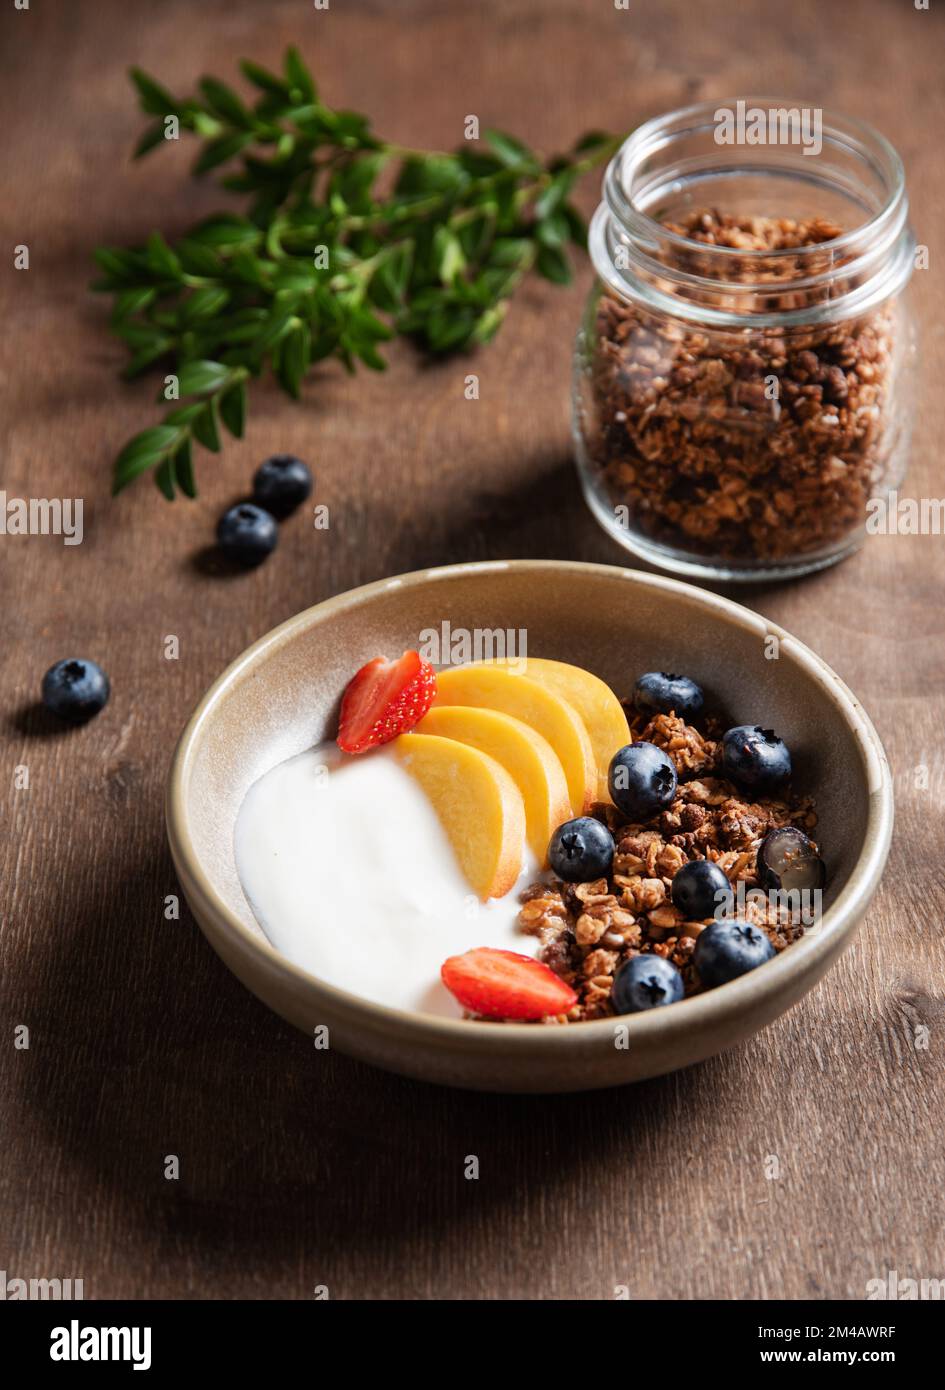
[{"x": 885, "y": 227}]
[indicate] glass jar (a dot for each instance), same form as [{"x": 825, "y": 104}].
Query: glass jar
[{"x": 744, "y": 368}]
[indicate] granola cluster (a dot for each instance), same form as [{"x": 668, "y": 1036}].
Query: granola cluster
[
  {"x": 587, "y": 930},
  {"x": 750, "y": 446}
]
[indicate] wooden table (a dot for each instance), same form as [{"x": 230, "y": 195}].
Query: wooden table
[{"x": 300, "y": 1168}]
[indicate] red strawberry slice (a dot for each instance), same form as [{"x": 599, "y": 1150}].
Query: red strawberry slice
[
  {"x": 503, "y": 984},
  {"x": 384, "y": 699}
]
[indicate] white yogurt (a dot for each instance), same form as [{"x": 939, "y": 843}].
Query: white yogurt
[{"x": 352, "y": 877}]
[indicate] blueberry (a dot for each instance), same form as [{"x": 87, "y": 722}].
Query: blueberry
[
  {"x": 729, "y": 948},
  {"x": 642, "y": 780},
  {"x": 645, "y": 982},
  {"x": 787, "y": 860},
  {"x": 756, "y": 758},
  {"x": 662, "y": 692},
  {"x": 581, "y": 850},
  {"x": 75, "y": 689},
  {"x": 247, "y": 534},
  {"x": 701, "y": 889},
  {"x": 281, "y": 484}
]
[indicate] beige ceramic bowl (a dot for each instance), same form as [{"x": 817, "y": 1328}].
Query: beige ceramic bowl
[{"x": 282, "y": 696}]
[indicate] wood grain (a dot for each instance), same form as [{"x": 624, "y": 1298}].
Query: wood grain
[{"x": 300, "y": 1168}]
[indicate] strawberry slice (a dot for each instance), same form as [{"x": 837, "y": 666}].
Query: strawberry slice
[
  {"x": 384, "y": 699},
  {"x": 503, "y": 984}
]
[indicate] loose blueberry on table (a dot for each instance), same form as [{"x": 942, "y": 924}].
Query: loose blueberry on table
[
  {"x": 282, "y": 483},
  {"x": 75, "y": 689},
  {"x": 246, "y": 534}
]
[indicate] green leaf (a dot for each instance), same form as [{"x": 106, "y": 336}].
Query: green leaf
[
  {"x": 511, "y": 153},
  {"x": 576, "y": 225},
  {"x": 477, "y": 162},
  {"x": 153, "y": 136},
  {"x": 278, "y": 325},
  {"x": 551, "y": 198},
  {"x": 196, "y": 378},
  {"x": 432, "y": 174},
  {"x": 197, "y": 259},
  {"x": 224, "y": 102},
  {"x": 296, "y": 356},
  {"x": 131, "y": 302},
  {"x": 352, "y": 183},
  {"x": 263, "y": 79},
  {"x": 143, "y": 358},
  {"x": 218, "y": 151},
  {"x": 204, "y": 303},
  {"x": 165, "y": 478},
  {"x": 137, "y": 332},
  {"x": 298, "y": 77},
  {"x": 593, "y": 140},
  {"x": 142, "y": 453},
  {"x": 206, "y": 428},
  {"x": 161, "y": 258},
  {"x": 388, "y": 286},
  {"x": 511, "y": 251},
  {"x": 154, "y": 98},
  {"x": 489, "y": 323},
  {"x": 448, "y": 254},
  {"x": 368, "y": 353},
  {"x": 225, "y": 231},
  {"x": 184, "y": 468},
  {"x": 476, "y": 233},
  {"x": 553, "y": 264},
  {"x": 233, "y": 409},
  {"x": 184, "y": 414},
  {"x": 120, "y": 265},
  {"x": 553, "y": 231}
]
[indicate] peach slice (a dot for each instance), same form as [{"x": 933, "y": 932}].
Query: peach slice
[
  {"x": 594, "y": 701},
  {"x": 529, "y": 759},
  {"x": 479, "y": 807},
  {"x": 495, "y": 687}
]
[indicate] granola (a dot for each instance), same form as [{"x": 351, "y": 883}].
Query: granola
[
  {"x": 587, "y": 931},
  {"x": 747, "y": 447}
]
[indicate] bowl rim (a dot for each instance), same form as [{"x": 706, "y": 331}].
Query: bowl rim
[{"x": 698, "y": 1012}]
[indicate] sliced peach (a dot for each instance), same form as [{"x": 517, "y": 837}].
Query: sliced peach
[
  {"x": 529, "y": 759},
  {"x": 479, "y": 807},
  {"x": 594, "y": 701},
  {"x": 496, "y": 687}
]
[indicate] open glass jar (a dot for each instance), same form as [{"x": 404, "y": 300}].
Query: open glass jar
[{"x": 743, "y": 375}]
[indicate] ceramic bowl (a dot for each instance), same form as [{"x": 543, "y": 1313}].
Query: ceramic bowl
[{"x": 282, "y": 695}]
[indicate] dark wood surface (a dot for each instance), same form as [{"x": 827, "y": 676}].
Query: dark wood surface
[{"x": 300, "y": 1168}]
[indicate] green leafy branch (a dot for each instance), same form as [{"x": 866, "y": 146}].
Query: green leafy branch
[{"x": 347, "y": 241}]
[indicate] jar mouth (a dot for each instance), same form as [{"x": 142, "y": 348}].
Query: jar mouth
[{"x": 822, "y": 164}]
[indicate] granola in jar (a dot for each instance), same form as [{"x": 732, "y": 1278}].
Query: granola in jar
[{"x": 742, "y": 373}]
